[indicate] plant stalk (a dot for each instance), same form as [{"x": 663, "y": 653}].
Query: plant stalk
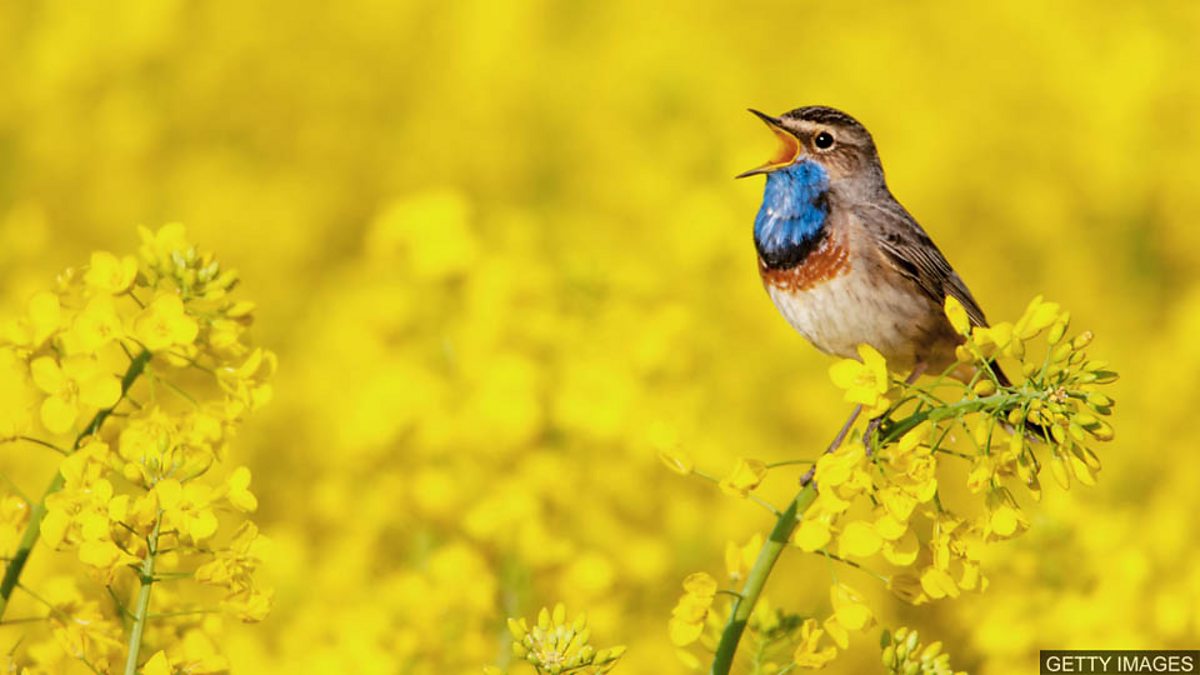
[
  {"x": 771, "y": 550},
  {"x": 141, "y": 611}
]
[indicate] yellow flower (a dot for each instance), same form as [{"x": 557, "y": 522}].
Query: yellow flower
[
  {"x": 248, "y": 385},
  {"x": 849, "y": 608},
  {"x": 865, "y": 380},
  {"x": 164, "y": 324},
  {"x": 1005, "y": 520},
  {"x": 75, "y": 383},
  {"x": 233, "y": 567},
  {"x": 898, "y": 503},
  {"x": 251, "y": 605},
  {"x": 839, "y": 467},
  {"x": 186, "y": 508},
  {"x": 94, "y": 327},
  {"x": 555, "y": 645},
  {"x": 809, "y": 654},
  {"x": 43, "y": 318},
  {"x": 86, "y": 465},
  {"x": 239, "y": 494},
  {"x": 109, "y": 274},
  {"x": 998, "y": 334},
  {"x": 687, "y": 619},
  {"x": 904, "y": 653},
  {"x": 1038, "y": 316},
  {"x": 746, "y": 475}
]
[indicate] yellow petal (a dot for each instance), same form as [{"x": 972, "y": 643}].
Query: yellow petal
[
  {"x": 746, "y": 475},
  {"x": 876, "y": 365},
  {"x": 844, "y": 373},
  {"x": 889, "y": 527},
  {"x": 243, "y": 500},
  {"x": 684, "y": 633},
  {"x": 203, "y": 525},
  {"x": 902, "y": 552},
  {"x": 957, "y": 315},
  {"x": 859, "y": 540},
  {"x": 837, "y": 631},
  {"x": 45, "y": 313},
  {"x": 700, "y": 584},
  {"x": 938, "y": 584},
  {"x": 54, "y": 527},
  {"x": 157, "y": 665},
  {"x": 169, "y": 493},
  {"x": 849, "y": 608},
  {"x": 812, "y": 535},
  {"x": 239, "y": 479},
  {"x": 100, "y": 391},
  {"x": 47, "y": 375},
  {"x": 58, "y": 415},
  {"x": 99, "y": 553},
  {"x": 898, "y": 503},
  {"x": 93, "y": 526}
]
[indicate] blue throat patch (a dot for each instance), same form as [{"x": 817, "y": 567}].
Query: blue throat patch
[{"x": 791, "y": 220}]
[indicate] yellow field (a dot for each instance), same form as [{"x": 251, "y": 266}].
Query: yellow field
[{"x": 499, "y": 253}]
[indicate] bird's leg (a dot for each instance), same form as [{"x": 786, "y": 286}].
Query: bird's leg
[
  {"x": 837, "y": 442},
  {"x": 873, "y": 425}
]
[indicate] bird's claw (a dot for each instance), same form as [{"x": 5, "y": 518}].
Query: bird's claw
[{"x": 870, "y": 432}]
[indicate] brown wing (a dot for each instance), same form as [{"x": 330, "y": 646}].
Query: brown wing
[{"x": 910, "y": 251}]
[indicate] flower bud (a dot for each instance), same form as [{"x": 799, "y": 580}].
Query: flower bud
[{"x": 984, "y": 387}]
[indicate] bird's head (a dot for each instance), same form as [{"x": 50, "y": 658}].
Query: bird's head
[{"x": 816, "y": 137}]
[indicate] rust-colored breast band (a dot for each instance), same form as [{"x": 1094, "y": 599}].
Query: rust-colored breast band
[{"x": 829, "y": 260}]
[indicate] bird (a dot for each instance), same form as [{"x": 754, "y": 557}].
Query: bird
[{"x": 843, "y": 261}]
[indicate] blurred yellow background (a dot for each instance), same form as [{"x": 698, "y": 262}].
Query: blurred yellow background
[{"x": 499, "y": 252}]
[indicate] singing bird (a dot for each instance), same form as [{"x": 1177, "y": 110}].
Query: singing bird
[{"x": 842, "y": 260}]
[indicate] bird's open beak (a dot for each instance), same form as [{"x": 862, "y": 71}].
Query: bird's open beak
[{"x": 789, "y": 147}]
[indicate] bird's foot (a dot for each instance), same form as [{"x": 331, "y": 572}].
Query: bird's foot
[{"x": 870, "y": 433}]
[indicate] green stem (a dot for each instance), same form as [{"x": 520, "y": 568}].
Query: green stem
[
  {"x": 901, "y": 427},
  {"x": 757, "y": 579},
  {"x": 12, "y": 572},
  {"x": 141, "y": 612}
]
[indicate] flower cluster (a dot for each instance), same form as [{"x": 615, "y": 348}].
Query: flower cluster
[
  {"x": 137, "y": 370},
  {"x": 903, "y": 654},
  {"x": 879, "y": 504},
  {"x": 555, "y": 646}
]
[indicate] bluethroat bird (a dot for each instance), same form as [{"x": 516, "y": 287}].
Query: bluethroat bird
[{"x": 842, "y": 260}]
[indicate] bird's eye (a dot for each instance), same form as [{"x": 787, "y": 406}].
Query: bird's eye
[{"x": 823, "y": 140}]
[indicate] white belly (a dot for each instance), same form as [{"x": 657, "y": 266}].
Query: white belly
[{"x": 846, "y": 311}]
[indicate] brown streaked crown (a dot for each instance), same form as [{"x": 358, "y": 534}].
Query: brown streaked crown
[{"x": 853, "y": 161}]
